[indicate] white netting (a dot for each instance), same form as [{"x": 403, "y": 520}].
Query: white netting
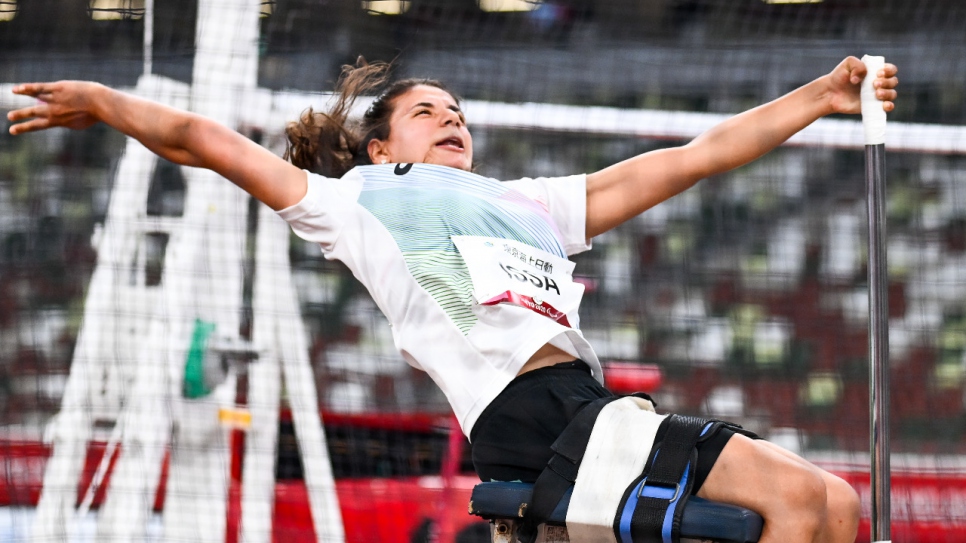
[{"x": 748, "y": 292}]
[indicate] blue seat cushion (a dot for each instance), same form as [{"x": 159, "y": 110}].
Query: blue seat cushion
[{"x": 702, "y": 519}]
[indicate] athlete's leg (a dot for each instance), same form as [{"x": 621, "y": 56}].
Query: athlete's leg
[
  {"x": 798, "y": 501},
  {"x": 844, "y": 507}
]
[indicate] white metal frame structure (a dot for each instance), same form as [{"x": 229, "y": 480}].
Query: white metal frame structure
[{"x": 129, "y": 362}]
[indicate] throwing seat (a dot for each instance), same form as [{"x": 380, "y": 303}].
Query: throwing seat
[{"x": 504, "y": 504}]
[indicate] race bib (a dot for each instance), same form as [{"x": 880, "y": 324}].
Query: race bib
[{"x": 507, "y": 271}]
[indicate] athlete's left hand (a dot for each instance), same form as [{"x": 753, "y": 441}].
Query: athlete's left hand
[{"x": 845, "y": 82}]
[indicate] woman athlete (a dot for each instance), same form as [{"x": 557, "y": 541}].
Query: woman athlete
[{"x": 472, "y": 273}]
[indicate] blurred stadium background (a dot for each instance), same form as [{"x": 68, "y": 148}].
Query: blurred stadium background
[{"x": 747, "y": 294}]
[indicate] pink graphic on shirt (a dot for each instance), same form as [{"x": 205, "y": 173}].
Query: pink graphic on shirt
[{"x": 535, "y": 305}]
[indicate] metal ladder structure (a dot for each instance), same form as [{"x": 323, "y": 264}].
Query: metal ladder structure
[{"x": 155, "y": 278}]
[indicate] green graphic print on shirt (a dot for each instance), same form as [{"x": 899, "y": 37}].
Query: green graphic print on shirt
[{"x": 424, "y": 205}]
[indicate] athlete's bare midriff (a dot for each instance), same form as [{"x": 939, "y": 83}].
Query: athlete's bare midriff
[{"x": 548, "y": 355}]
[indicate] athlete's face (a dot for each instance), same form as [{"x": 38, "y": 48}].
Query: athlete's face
[{"x": 426, "y": 126}]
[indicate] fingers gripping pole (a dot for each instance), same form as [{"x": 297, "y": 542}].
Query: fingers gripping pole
[{"x": 874, "y": 122}]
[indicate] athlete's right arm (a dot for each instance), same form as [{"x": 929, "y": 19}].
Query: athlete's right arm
[{"x": 179, "y": 136}]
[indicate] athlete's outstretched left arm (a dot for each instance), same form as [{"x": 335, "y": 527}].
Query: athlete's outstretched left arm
[{"x": 624, "y": 190}]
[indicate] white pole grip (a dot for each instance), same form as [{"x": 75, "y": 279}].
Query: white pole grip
[{"x": 873, "y": 116}]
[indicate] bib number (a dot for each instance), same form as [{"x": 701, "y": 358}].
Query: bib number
[{"x": 507, "y": 271}]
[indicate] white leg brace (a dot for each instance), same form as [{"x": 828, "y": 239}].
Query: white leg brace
[{"x": 617, "y": 451}]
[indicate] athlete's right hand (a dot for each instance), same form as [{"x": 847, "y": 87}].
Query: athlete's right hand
[{"x": 62, "y": 103}]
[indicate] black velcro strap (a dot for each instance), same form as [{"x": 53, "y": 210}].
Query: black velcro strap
[
  {"x": 561, "y": 470},
  {"x": 647, "y": 524},
  {"x": 665, "y": 486},
  {"x": 682, "y": 435}
]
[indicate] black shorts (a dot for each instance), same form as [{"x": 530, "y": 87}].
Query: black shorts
[{"x": 511, "y": 440}]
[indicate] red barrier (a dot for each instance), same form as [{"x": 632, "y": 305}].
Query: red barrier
[
  {"x": 627, "y": 377},
  {"x": 927, "y": 506},
  {"x": 928, "y": 501}
]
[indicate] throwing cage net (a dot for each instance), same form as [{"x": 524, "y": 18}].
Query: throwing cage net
[{"x": 175, "y": 365}]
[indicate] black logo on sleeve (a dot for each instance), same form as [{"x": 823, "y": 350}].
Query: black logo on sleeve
[{"x": 403, "y": 169}]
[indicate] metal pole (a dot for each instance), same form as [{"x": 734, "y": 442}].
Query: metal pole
[
  {"x": 874, "y": 123},
  {"x": 148, "y": 36},
  {"x": 878, "y": 343}
]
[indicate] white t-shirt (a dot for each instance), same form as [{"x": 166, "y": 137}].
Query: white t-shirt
[{"x": 470, "y": 272}]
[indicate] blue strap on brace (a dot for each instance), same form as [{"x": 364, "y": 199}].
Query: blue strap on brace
[
  {"x": 652, "y": 505},
  {"x": 642, "y": 490}
]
